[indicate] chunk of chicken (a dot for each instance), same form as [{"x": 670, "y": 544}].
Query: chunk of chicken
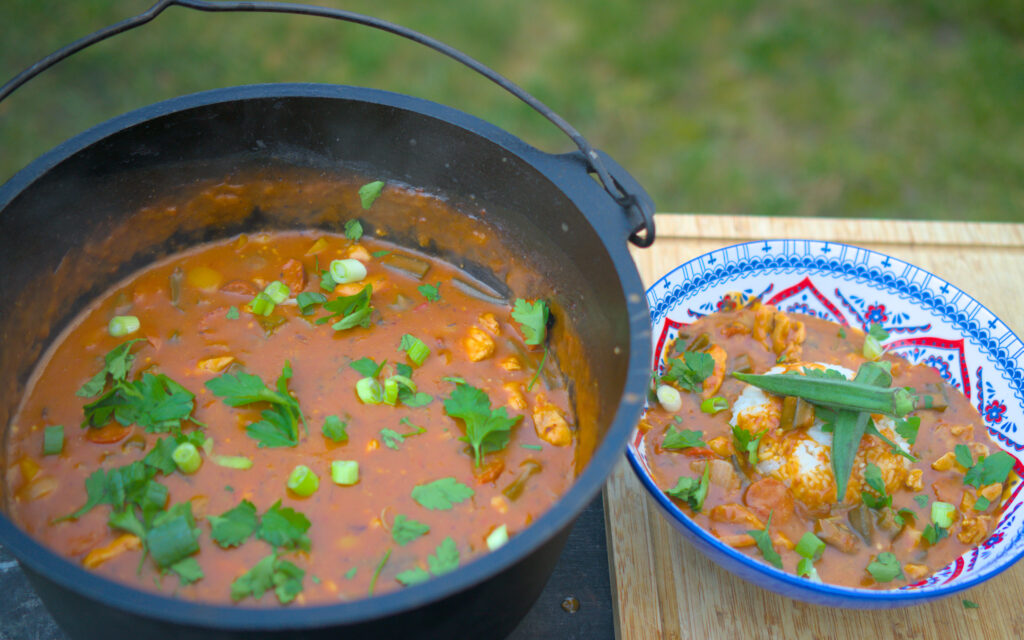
[
  {"x": 490, "y": 323},
  {"x": 516, "y": 399},
  {"x": 512, "y": 363},
  {"x": 550, "y": 424},
  {"x": 478, "y": 345},
  {"x": 974, "y": 530},
  {"x": 735, "y": 514}
]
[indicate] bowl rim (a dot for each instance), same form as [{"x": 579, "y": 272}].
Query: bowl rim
[
  {"x": 123, "y": 597},
  {"x": 800, "y": 584}
]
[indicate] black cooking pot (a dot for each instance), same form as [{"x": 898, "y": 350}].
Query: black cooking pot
[{"x": 547, "y": 209}]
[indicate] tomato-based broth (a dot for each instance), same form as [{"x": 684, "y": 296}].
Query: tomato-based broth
[
  {"x": 753, "y": 462},
  {"x": 262, "y": 422}
]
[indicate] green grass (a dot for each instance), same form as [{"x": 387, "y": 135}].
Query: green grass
[{"x": 908, "y": 109}]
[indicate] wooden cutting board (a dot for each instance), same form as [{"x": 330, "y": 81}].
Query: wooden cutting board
[{"x": 666, "y": 589}]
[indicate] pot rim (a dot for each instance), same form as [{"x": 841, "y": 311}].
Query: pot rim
[{"x": 156, "y": 606}]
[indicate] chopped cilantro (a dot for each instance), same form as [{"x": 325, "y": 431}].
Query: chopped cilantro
[
  {"x": 907, "y": 429},
  {"x": 380, "y": 254},
  {"x": 885, "y": 567},
  {"x": 486, "y": 430},
  {"x": 392, "y": 439},
  {"x": 682, "y": 439},
  {"x": 269, "y": 573},
  {"x": 842, "y": 333},
  {"x": 376, "y": 572},
  {"x": 692, "y": 491},
  {"x": 963, "y": 456},
  {"x": 234, "y": 526},
  {"x": 689, "y": 372},
  {"x": 354, "y": 229},
  {"x": 367, "y": 367},
  {"x": 533, "y": 319},
  {"x": 877, "y": 332},
  {"x": 416, "y": 429},
  {"x": 441, "y": 494},
  {"x": 535, "y": 447},
  {"x": 405, "y": 530},
  {"x": 355, "y": 310},
  {"x": 430, "y": 291},
  {"x": 747, "y": 442},
  {"x": 764, "y": 544},
  {"x": 327, "y": 283},
  {"x": 173, "y": 536},
  {"x": 921, "y": 500},
  {"x": 154, "y": 402},
  {"x": 873, "y": 477},
  {"x": 413, "y": 576},
  {"x": 369, "y": 192},
  {"x": 968, "y": 604},
  {"x": 284, "y": 527},
  {"x": 232, "y": 313},
  {"x": 351, "y": 573},
  {"x": 933, "y": 533},
  {"x": 188, "y": 570},
  {"x": 989, "y": 470},
  {"x": 334, "y": 429},
  {"x": 308, "y": 300},
  {"x": 117, "y": 362},
  {"x": 445, "y": 558},
  {"x": 280, "y": 424}
]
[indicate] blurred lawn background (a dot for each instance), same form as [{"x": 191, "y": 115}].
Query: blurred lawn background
[{"x": 880, "y": 108}]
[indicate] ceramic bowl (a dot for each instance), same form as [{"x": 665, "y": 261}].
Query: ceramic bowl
[{"x": 929, "y": 321}]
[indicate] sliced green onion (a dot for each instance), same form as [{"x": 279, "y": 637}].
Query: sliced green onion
[
  {"x": 391, "y": 391},
  {"x": 370, "y": 391},
  {"x": 187, "y": 457},
  {"x": 348, "y": 270},
  {"x": 714, "y": 405},
  {"x": 345, "y": 472},
  {"x": 810, "y": 546},
  {"x": 669, "y": 398},
  {"x": 805, "y": 567},
  {"x": 872, "y": 348},
  {"x": 303, "y": 481},
  {"x": 233, "y": 462},
  {"x": 309, "y": 299},
  {"x": 208, "y": 446},
  {"x": 498, "y": 538},
  {"x": 123, "y": 326},
  {"x": 53, "y": 440},
  {"x": 415, "y": 348},
  {"x": 942, "y": 514},
  {"x": 262, "y": 304},
  {"x": 278, "y": 291}
]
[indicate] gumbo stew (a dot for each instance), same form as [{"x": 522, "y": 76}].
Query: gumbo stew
[
  {"x": 291, "y": 417},
  {"x": 799, "y": 442}
]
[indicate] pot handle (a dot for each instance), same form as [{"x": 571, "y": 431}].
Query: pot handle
[{"x": 622, "y": 187}]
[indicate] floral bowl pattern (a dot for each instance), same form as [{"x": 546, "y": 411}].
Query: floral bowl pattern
[{"x": 929, "y": 321}]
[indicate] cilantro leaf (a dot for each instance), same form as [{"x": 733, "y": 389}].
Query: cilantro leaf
[
  {"x": 117, "y": 362},
  {"x": 747, "y": 442},
  {"x": 907, "y": 429},
  {"x": 921, "y": 500},
  {"x": 692, "y": 491},
  {"x": 968, "y": 604},
  {"x": 160, "y": 456},
  {"x": 690, "y": 371},
  {"x": 354, "y": 229},
  {"x": 764, "y": 544},
  {"x": 441, "y": 494},
  {"x": 405, "y": 530},
  {"x": 369, "y": 192},
  {"x": 430, "y": 291},
  {"x": 873, "y": 478},
  {"x": 355, "y": 310},
  {"x": 284, "y": 527},
  {"x": 232, "y": 313},
  {"x": 877, "y": 332},
  {"x": 188, "y": 570},
  {"x": 989, "y": 470},
  {"x": 445, "y": 558},
  {"x": 367, "y": 367},
  {"x": 933, "y": 533},
  {"x": 269, "y": 573},
  {"x": 335, "y": 429},
  {"x": 327, "y": 283},
  {"x": 234, "y": 526},
  {"x": 154, "y": 402},
  {"x": 963, "y": 456},
  {"x": 486, "y": 430},
  {"x": 392, "y": 439},
  {"x": 682, "y": 439},
  {"x": 287, "y": 580},
  {"x": 279, "y": 426},
  {"x": 885, "y": 567},
  {"x": 533, "y": 319},
  {"x": 308, "y": 300},
  {"x": 413, "y": 576}
]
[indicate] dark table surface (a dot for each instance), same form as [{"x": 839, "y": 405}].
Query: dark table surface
[{"x": 581, "y": 575}]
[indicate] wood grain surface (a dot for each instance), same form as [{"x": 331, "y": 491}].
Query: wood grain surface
[{"x": 667, "y": 589}]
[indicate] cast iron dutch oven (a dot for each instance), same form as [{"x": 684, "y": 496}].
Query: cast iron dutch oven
[{"x": 573, "y": 228}]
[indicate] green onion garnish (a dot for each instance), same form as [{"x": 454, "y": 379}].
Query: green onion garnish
[
  {"x": 262, "y": 304},
  {"x": 233, "y": 462},
  {"x": 277, "y": 291},
  {"x": 415, "y": 348},
  {"x": 669, "y": 398},
  {"x": 348, "y": 270},
  {"x": 186, "y": 456},
  {"x": 345, "y": 472},
  {"x": 714, "y": 405},
  {"x": 307, "y": 300},
  {"x": 497, "y": 538},
  {"x": 810, "y": 546},
  {"x": 123, "y": 326},
  {"x": 303, "y": 481},
  {"x": 370, "y": 391},
  {"x": 942, "y": 514},
  {"x": 53, "y": 440}
]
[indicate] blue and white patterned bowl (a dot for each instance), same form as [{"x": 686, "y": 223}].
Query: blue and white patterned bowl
[{"x": 928, "y": 320}]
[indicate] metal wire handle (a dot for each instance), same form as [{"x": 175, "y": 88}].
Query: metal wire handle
[{"x": 642, "y": 236}]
